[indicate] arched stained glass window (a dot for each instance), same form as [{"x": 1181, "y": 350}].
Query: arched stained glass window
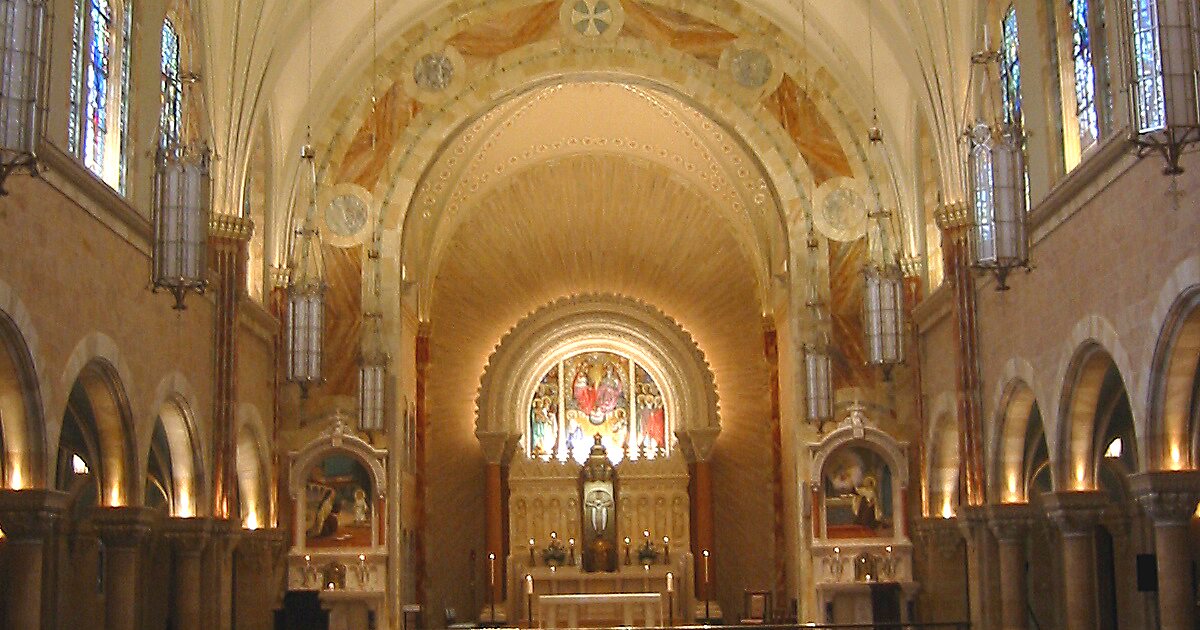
[
  {"x": 597, "y": 394},
  {"x": 1010, "y": 68},
  {"x": 100, "y": 82},
  {"x": 1085, "y": 73},
  {"x": 172, "y": 87}
]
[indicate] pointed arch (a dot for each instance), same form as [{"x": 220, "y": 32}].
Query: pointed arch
[
  {"x": 1093, "y": 387},
  {"x": 1173, "y": 408}
]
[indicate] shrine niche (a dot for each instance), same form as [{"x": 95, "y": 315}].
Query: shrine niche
[
  {"x": 339, "y": 511},
  {"x": 857, "y": 488}
]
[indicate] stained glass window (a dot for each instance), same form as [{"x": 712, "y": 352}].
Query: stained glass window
[
  {"x": 1010, "y": 68},
  {"x": 172, "y": 87},
  {"x": 1085, "y": 73},
  {"x": 597, "y": 394},
  {"x": 96, "y": 84},
  {"x": 1147, "y": 67}
]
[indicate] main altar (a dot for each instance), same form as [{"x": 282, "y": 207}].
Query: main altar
[{"x": 597, "y": 544}]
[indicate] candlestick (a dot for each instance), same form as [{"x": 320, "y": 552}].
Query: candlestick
[
  {"x": 670, "y": 599},
  {"x": 707, "y": 585},
  {"x": 571, "y": 559},
  {"x": 492, "y": 584},
  {"x": 529, "y": 597},
  {"x": 670, "y": 582},
  {"x": 528, "y": 584},
  {"x": 532, "y": 560},
  {"x": 666, "y": 550},
  {"x": 627, "y": 550}
]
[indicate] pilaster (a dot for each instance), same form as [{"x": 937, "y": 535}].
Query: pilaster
[
  {"x": 1169, "y": 499},
  {"x": 29, "y": 519},
  {"x": 124, "y": 532},
  {"x": 1076, "y": 513},
  {"x": 188, "y": 537}
]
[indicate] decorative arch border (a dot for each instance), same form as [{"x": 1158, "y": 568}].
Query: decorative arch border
[
  {"x": 337, "y": 439},
  {"x": 1091, "y": 336},
  {"x": 597, "y": 321},
  {"x": 854, "y": 431},
  {"x": 99, "y": 349},
  {"x": 37, "y": 472}
]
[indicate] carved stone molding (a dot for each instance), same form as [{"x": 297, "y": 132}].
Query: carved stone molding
[
  {"x": 1075, "y": 512},
  {"x": 1168, "y": 497},
  {"x": 939, "y": 536},
  {"x": 337, "y": 438},
  {"x": 187, "y": 536},
  {"x": 263, "y": 549},
  {"x": 1010, "y": 521},
  {"x": 953, "y": 216},
  {"x": 124, "y": 527},
  {"x": 30, "y": 515},
  {"x": 498, "y": 446}
]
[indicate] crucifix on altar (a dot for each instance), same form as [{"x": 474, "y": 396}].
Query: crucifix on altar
[{"x": 598, "y": 497}]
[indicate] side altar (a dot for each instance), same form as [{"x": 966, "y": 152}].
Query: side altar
[{"x": 596, "y": 529}]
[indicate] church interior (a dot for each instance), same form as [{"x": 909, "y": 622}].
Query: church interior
[{"x": 356, "y": 314}]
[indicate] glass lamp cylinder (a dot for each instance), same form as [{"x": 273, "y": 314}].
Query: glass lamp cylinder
[
  {"x": 1165, "y": 95},
  {"x": 883, "y": 315},
  {"x": 182, "y": 203},
  {"x": 372, "y": 379},
  {"x": 23, "y": 46},
  {"x": 818, "y": 385},
  {"x": 996, "y": 172},
  {"x": 305, "y": 328}
]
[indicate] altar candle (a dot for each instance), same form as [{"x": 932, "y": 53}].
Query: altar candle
[
  {"x": 528, "y": 584},
  {"x": 646, "y": 533},
  {"x": 666, "y": 550},
  {"x": 492, "y": 570},
  {"x": 670, "y": 582},
  {"x": 705, "y": 553},
  {"x": 532, "y": 561}
]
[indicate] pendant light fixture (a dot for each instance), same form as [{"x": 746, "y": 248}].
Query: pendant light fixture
[
  {"x": 23, "y": 52},
  {"x": 995, "y": 171},
  {"x": 883, "y": 282},
  {"x": 183, "y": 207},
  {"x": 306, "y": 282},
  {"x": 818, "y": 367},
  {"x": 1165, "y": 95}
]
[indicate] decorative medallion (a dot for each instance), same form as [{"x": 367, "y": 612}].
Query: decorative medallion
[
  {"x": 347, "y": 211},
  {"x": 592, "y": 20},
  {"x": 755, "y": 71},
  {"x": 433, "y": 72},
  {"x": 840, "y": 208},
  {"x": 751, "y": 68}
]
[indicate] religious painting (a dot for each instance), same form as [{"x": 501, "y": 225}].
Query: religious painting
[
  {"x": 857, "y": 485},
  {"x": 597, "y": 394},
  {"x": 339, "y": 510},
  {"x": 651, "y": 416},
  {"x": 543, "y": 416}
]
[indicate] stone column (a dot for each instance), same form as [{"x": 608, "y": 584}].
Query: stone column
[
  {"x": 257, "y": 578},
  {"x": 124, "y": 531},
  {"x": 982, "y": 589},
  {"x": 1076, "y": 514},
  {"x": 939, "y": 568},
  {"x": 1010, "y": 524},
  {"x": 217, "y": 580},
  {"x": 188, "y": 538},
  {"x": 421, "y": 362},
  {"x": 1169, "y": 499},
  {"x": 698, "y": 445},
  {"x": 28, "y": 518}
]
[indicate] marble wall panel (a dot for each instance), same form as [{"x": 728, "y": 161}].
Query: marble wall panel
[
  {"x": 846, "y": 261},
  {"x": 676, "y": 29}
]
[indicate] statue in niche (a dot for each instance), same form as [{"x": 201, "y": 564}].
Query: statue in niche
[{"x": 598, "y": 498}]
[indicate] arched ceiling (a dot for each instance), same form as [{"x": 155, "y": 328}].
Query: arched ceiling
[{"x": 599, "y": 118}]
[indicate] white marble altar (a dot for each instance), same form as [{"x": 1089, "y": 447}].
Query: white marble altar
[{"x": 649, "y": 605}]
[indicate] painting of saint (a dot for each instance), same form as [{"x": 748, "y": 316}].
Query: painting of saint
[
  {"x": 597, "y": 402},
  {"x": 543, "y": 417},
  {"x": 857, "y": 485},
  {"x": 652, "y": 425},
  {"x": 338, "y": 503}
]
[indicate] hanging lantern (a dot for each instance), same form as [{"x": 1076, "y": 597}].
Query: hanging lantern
[
  {"x": 883, "y": 285},
  {"x": 23, "y": 47},
  {"x": 996, "y": 174},
  {"x": 182, "y": 194},
  {"x": 1165, "y": 95},
  {"x": 306, "y": 297},
  {"x": 818, "y": 367},
  {"x": 372, "y": 377}
]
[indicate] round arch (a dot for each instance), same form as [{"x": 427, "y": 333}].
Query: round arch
[
  {"x": 22, "y": 426},
  {"x": 100, "y": 406},
  {"x": 596, "y": 323},
  {"x": 1079, "y": 402},
  {"x": 1172, "y": 423},
  {"x": 186, "y": 465}
]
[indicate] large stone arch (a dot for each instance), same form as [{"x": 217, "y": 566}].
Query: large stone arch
[
  {"x": 1006, "y": 467},
  {"x": 599, "y": 322},
  {"x": 942, "y": 458},
  {"x": 256, "y": 503},
  {"x": 1075, "y": 450},
  {"x": 1170, "y": 444},
  {"x": 174, "y": 407},
  {"x": 23, "y": 463}
]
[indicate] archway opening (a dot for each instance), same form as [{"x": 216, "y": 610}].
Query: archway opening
[
  {"x": 1096, "y": 411},
  {"x": 252, "y": 479},
  {"x": 173, "y": 466},
  {"x": 22, "y": 437},
  {"x": 96, "y": 441},
  {"x": 1175, "y": 388}
]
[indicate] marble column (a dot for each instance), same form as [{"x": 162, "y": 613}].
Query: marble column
[
  {"x": 498, "y": 449},
  {"x": 1010, "y": 525},
  {"x": 1169, "y": 499},
  {"x": 1076, "y": 514},
  {"x": 188, "y": 538},
  {"x": 124, "y": 532},
  {"x": 258, "y": 579},
  {"x": 28, "y": 518}
]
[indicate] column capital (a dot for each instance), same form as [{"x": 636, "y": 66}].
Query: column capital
[
  {"x": 30, "y": 515},
  {"x": 698, "y": 442},
  {"x": 1076, "y": 512},
  {"x": 939, "y": 534},
  {"x": 972, "y": 519},
  {"x": 187, "y": 535},
  {"x": 1009, "y": 521},
  {"x": 225, "y": 534},
  {"x": 263, "y": 542},
  {"x": 954, "y": 216},
  {"x": 124, "y": 527},
  {"x": 498, "y": 446},
  {"x": 1168, "y": 497}
]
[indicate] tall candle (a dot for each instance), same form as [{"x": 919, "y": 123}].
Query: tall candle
[
  {"x": 492, "y": 570},
  {"x": 528, "y": 584},
  {"x": 706, "y": 583},
  {"x": 670, "y": 582}
]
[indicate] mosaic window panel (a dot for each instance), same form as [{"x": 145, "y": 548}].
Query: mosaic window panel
[
  {"x": 171, "y": 124},
  {"x": 97, "y": 84},
  {"x": 597, "y": 394},
  {"x": 1010, "y": 68},
  {"x": 1085, "y": 73},
  {"x": 1147, "y": 67}
]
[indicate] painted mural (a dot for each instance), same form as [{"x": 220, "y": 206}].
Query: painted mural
[
  {"x": 339, "y": 510},
  {"x": 857, "y": 487},
  {"x": 597, "y": 394}
]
